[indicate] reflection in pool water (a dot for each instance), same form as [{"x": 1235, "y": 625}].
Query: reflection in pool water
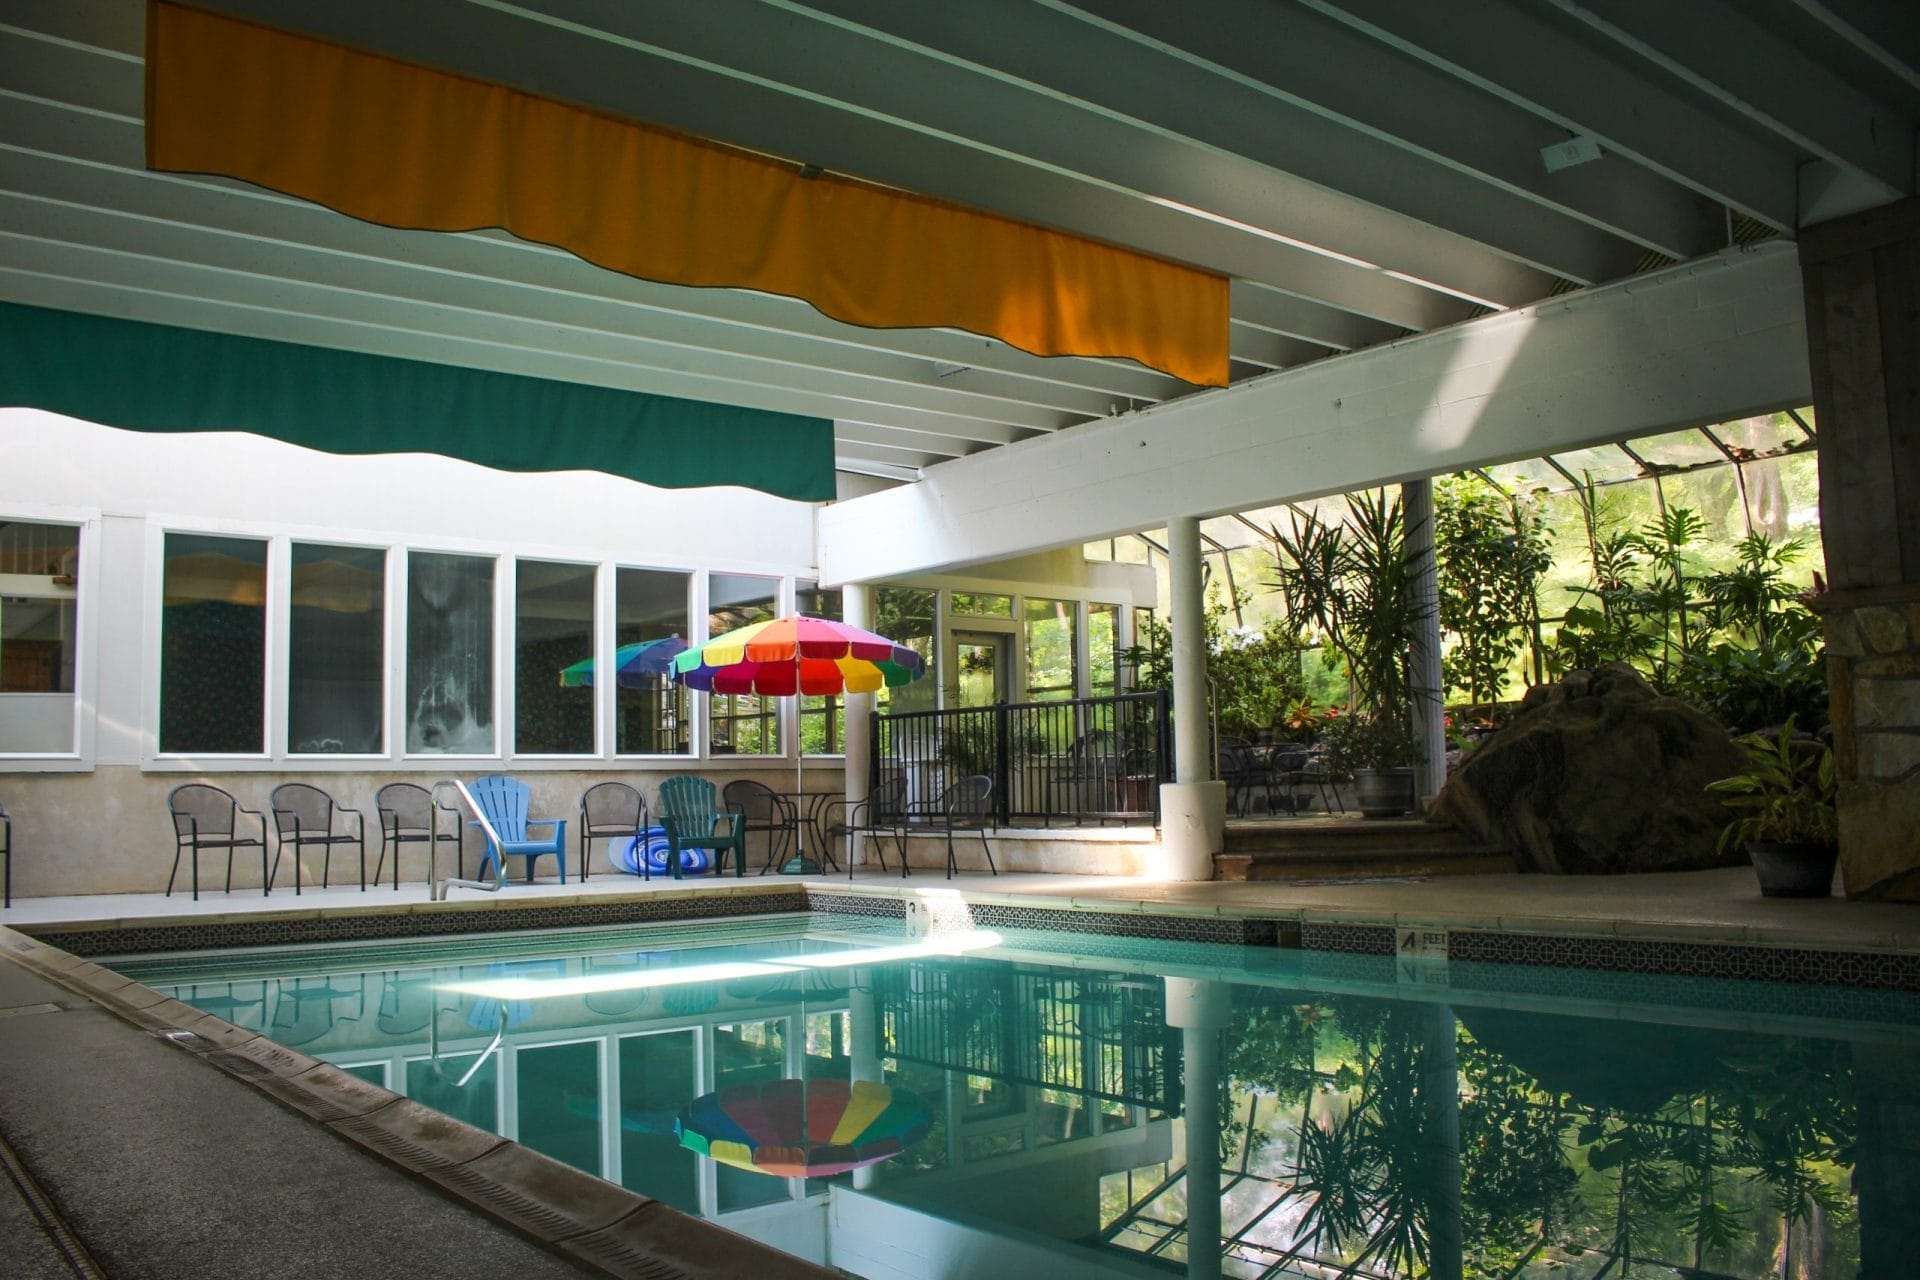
[{"x": 1357, "y": 1119}]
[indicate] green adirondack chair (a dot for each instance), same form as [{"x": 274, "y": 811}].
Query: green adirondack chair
[{"x": 690, "y": 811}]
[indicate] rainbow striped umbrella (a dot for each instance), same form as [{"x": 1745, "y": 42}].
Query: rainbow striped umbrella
[
  {"x": 804, "y": 1128},
  {"x": 797, "y": 654},
  {"x": 633, "y": 664}
]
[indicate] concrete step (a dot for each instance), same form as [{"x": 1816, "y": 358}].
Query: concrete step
[{"x": 1352, "y": 848}]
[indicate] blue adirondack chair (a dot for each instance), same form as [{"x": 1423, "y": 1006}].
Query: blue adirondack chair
[
  {"x": 691, "y": 814},
  {"x": 504, "y": 802}
]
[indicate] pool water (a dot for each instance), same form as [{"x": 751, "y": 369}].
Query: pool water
[{"x": 1360, "y": 1116}]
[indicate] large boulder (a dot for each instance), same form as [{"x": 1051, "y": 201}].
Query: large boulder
[{"x": 1598, "y": 774}]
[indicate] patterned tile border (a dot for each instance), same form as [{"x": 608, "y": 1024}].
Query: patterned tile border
[
  {"x": 1875, "y": 970},
  {"x": 1109, "y": 924},
  {"x": 1803, "y": 965},
  {"x": 268, "y": 931}
]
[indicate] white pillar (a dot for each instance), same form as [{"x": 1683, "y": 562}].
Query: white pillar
[
  {"x": 1199, "y": 1008},
  {"x": 1429, "y": 710},
  {"x": 1188, "y": 621},
  {"x": 863, "y": 1045},
  {"x": 856, "y": 607},
  {"x": 1193, "y": 809}
]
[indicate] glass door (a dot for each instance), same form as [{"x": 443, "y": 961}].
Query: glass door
[{"x": 983, "y": 668}]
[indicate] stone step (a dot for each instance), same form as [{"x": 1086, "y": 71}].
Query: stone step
[
  {"x": 1350, "y": 848},
  {"x": 1358, "y": 866}
]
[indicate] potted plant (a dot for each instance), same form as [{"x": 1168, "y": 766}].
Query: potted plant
[
  {"x": 1372, "y": 748},
  {"x": 1785, "y": 796},
  {"x": 1348, "y": 583}
]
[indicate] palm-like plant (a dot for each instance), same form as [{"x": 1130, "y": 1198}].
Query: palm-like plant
[{"x": 1786, "y": 793}]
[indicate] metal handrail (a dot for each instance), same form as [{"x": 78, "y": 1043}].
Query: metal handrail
[{"x": 437, "y": 890}]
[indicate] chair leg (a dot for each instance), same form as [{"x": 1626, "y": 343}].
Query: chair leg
[
  {"x": 230, "y": 866},
  {"x": 173, "y": 874},
  {"x": 989, "y": 851},
  {"x": 363, "y": 865}
]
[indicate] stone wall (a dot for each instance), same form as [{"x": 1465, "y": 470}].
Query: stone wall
[{"x": 1873, "y": 660}]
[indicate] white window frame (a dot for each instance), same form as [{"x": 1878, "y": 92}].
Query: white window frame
[{"x": 80, "y": 758}]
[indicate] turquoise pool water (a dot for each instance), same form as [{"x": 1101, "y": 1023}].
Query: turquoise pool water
[{"x": 1360, "y": 1115}]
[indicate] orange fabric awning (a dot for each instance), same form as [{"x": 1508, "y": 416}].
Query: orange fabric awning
[{"x": 407, "y": 146}]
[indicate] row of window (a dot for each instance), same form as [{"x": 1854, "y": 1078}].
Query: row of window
[
  {"x": 284, "y": 647},
  {"x": 214, "y": 654}
]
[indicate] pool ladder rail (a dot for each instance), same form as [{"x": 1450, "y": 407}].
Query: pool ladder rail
[{"x": 437, "y": 889}]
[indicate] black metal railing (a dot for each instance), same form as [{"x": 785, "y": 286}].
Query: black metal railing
[
  {"x": 1100, "y": 1034},
  {"x": 1075, "y": 760}
]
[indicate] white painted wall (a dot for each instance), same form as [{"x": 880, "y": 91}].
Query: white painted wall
[{"x": 1709, "y": 340}]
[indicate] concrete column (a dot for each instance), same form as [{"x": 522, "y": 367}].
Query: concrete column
[
  {"x": 1200, "y": 1008},
  {"x": 1861, "y": 276},
  {"x": 1193, "y": 809},
  {"x": 856, "y": 607},
  {"x": 1429, "y": 710}
]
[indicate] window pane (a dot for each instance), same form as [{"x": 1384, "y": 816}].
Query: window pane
[
  {"x": 552, "y": 630},
  {"x": 1050, "y": 650},
  {"x": 741, "y": 724},
  {"x": 336, "y": 650},
  {"x": 449, "y": 654},
  {"x": 38, "y": 644},
  {"x": 974, "y": 604},
  {"x": 1103, "y": 641},
  {"x": 437, "y": 1085},
  {"x": 750, "y": 1053},
  {"x": 560, "y": 1095},
  {"x": 213, "y": 645},
  {"x": 905, "y": 616},
  {"x": 657, "y": 1080},
  {"x": 823, "y": 719},
  {"x": 650, "y": 709}
]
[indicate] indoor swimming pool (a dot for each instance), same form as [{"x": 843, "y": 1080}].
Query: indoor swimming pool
[{"x": 1012, "y": 1102}]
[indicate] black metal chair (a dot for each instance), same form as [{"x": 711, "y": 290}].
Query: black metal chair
[
  {"x": 764, "y": 810},
  {"x": 6, "y": 849},
  {"x": 304, "y": 814},
  {"x": 1089, "y": 777},
  {"x": 410, "y": 815},
  {"x": 883, "y": 812},
  {"x": 609, "y": 810},
  {"x": 206, "y": 817},
  {"x": 961, "y": 807}
]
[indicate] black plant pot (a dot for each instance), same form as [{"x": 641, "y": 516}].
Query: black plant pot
[
  {"x": 1383, "y": 793},
  {"x": 1796, "y": 870}
]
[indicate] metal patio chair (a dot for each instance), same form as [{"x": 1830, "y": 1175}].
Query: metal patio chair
[
  {"x": 766, "y": 811},
  {"x": 305, "y": 815},
  {"x": 961, "y": 807},
  {"x": 609, "y": 810},
  {"x": 409, "y": 814},
  {"x": 206, "y": 817},
  {"x": 884, "y": 811}
]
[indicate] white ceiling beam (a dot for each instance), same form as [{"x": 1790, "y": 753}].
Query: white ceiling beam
[
  {"x": 1406, "y": 135},
  {"x": 1725, "y": 55},
  {"x": 1065, "y": 90},
  {"x": 1717, "y": 338},
  {"x": 1530, "y": 62},
  {"x": 1889, "y": 34}
]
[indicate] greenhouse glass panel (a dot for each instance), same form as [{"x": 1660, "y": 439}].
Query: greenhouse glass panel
[
  {"x": 1603, "y": 464},
  {"x": 1689, "y": 448}
]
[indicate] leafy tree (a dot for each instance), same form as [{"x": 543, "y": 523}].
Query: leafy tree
[{"x": 1493, "y": 551}]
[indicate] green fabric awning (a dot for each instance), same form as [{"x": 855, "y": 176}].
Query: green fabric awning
[{"x": 151, "y": 377}]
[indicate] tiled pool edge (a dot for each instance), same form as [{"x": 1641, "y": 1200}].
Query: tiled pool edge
[
  {"x": 1571, "y": 944},
  {"x": 590, "y": 1222}
]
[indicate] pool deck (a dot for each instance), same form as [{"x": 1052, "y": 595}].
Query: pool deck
[
  {"x": 1721, "y": 906},
  {"x": 126, "y": 1155}
]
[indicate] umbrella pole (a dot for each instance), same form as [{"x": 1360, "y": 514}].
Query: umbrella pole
[{"x": 799, "y": 864}]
